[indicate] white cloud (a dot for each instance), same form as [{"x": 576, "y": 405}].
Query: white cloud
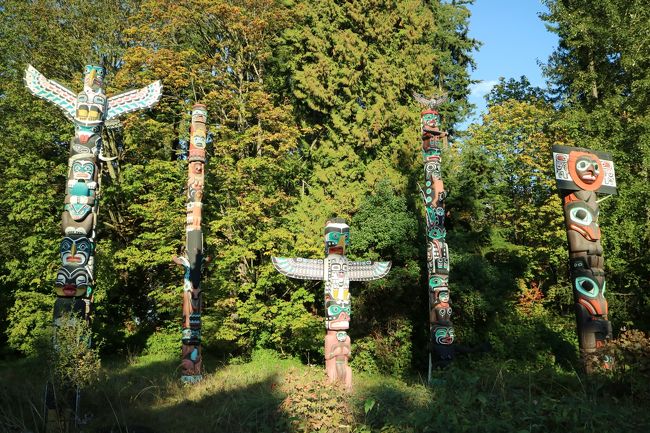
[{"x": 482, "y": 88}]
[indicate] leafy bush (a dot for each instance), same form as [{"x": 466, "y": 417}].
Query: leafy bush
[
  {"x": 29, "y": 317},
  {"x": 164, "y": 342},
  {"x": 387, "y": 351},
  {"x": 630, "y": 366},
  {"x": 72, "y": 360}
]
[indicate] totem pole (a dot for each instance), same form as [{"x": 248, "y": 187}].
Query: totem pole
[
  {"x": 441, "y": 330},
  {"x": 580, "y": 174},
  {"x": 337, "y": 272},
  {"x": 193, "y": 260},
  {"x": 88, "y": 110}
]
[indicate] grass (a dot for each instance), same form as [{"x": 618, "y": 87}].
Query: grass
[{"x": 271, "y": 394}]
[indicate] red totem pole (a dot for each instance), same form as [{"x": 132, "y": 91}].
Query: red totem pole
[
  {"x": 193, "y": 259},
  {"x": 580, "y": 174},
  {"x": 440, "y": 327}
]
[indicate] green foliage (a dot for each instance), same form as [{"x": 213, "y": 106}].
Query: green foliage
[
  {"x": 630, "y": 366},
  {"x": 164, "y": 343},
  {"x": 72, "y": 361},
  {"x": 30, "y": 317},
  {"x": 519, "y": 90},
  {"x": 387, "y": 350}
]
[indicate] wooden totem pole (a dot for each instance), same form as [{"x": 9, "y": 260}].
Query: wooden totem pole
[
  {"x": 193, "y": 259},
  {"x": 580, "y": 174},
  {"x": 441, "y": 330},
  {"x": 88, "y": 110},
  {"x": 337, "y": 272}
]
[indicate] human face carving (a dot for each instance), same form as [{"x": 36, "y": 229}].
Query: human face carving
[{"x": 585, "y": 170}]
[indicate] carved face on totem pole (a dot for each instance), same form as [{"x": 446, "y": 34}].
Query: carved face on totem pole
[
  {"x": 582, "y": 217},
  {"x": 430, "y": 121},
  {"x": 585, "y": 171},
  {"x": 443, "y": 335},
  {"x": 579, "y": 169},
  {"x": 72, "y": 280},
  {"x": 94, "y": 77},
  {"x": 338, "y": 313},
  {"x": 77, "y": 251},
  {"x": 441, "y": 310},
  {"x": 337, "y": 236}
]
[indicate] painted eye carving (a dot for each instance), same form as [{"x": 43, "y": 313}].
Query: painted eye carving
[
  {"x": 581, "y": 216},
  {"x": 582, "y": 165},
  {"x": 334, "y": 310},
  {"x": 586, "y": 286}
]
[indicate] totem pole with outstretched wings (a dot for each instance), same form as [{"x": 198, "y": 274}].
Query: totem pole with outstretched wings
[
  {"x": 337, "y": 272},
  {"x": 88, "y": 110}
]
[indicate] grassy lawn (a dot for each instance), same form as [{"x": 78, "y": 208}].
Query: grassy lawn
[{"x": 271, "y": 394}]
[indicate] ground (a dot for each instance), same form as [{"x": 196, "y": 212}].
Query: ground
[{"x": 270, "y": 394}]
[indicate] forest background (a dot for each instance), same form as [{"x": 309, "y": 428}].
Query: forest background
[{"x": 311, "y": 116}]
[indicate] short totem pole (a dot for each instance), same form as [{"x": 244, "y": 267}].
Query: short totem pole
[
  {"x": 337, "y": 272},
  {"x": 580, "y": 174},
  {"x": 441, "y": 330},
  {"x": 193, "y": 259},
  {"x": 88, "y": 110}
]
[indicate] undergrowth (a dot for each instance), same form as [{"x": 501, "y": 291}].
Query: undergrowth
[{"x": 271, "y": 394}]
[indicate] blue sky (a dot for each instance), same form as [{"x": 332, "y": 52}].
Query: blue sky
[{"x": 514, "y": 40}]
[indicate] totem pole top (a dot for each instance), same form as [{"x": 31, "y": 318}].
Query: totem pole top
[{"x": 578, "y": 169}]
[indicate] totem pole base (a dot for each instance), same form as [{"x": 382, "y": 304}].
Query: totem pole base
[
  {"x": 337, "y": 351},
  {"x": 338, "y": 371},
  {"x": 59, "y": 418},
  {"x": 192, "y": 379}
]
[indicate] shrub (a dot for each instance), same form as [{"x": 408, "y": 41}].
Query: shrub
[
  {"x": 164, "y": 343},
  {"x": 72, "y": 360}
]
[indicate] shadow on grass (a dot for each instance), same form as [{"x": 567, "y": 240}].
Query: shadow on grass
[
  {"x": 147, "y": 396},
  {"x": 500, "y": 396}
]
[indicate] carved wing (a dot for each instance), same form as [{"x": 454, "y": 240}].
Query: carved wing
[
  {"x": 367, "y": 271},
  {"x": 134, "y": 100},
  {"x": 51, "y": 91},
  {"x": 303, "y": 269}
]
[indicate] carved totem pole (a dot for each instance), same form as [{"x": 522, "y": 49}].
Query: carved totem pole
[
  {"x": 193, "y": 260},
  {"x": 337, "y": 272},
  {"x": 580, "y": 174},
  {"x": 441, "y": 330},
  {"x": 88, "y": 110}
]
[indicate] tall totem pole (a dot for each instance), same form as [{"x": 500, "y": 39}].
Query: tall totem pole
[
  {"x": 337, "y": 272},
  {"x": 88, "y": 110},
  {"x": 580, "y": 174},
  {"x": 193, "y": 259},
  {"x": 441, "y": 330}
]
